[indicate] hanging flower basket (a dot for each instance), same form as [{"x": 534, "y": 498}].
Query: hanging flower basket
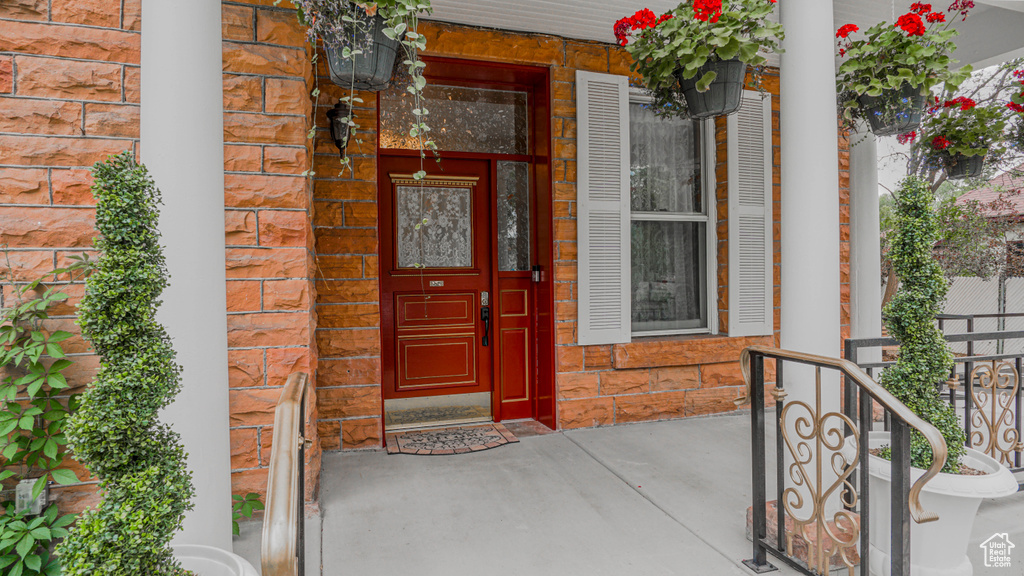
[
  {"x": 370, "y": 70},
  {"x": 960, "y": 166},
  {"x": 893, "y": 112},
  {"x": 722, "y": 97}
]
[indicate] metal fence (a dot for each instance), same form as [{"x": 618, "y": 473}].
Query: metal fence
[{"x": 984, "y": 385}]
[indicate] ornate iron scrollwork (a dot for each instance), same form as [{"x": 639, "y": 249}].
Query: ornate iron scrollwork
[
  {"x": 992, "y": 416},
  {"x": 816, "y": 440}
]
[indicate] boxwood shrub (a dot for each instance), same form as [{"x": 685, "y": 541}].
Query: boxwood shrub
[{"x": 116, "y": 432}]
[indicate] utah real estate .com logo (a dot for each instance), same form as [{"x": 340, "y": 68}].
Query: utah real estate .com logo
[{"x": 997, "y": 550}]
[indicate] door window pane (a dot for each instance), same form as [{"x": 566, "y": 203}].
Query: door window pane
[
  {"x": 664, "y": 168},
  {"x": 461, "y": 119},
  {"x": 445, "y": 240},
  {"x": 513, "y": 216},
  {"x": 668, "y": 281}
]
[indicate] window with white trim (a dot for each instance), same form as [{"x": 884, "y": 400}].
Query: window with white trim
[
  {"x": 646, "y": 218},
  {"x": 671, "y": 235}
]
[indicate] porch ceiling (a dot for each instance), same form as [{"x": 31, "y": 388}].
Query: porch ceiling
[{"x": 991, "y": 34}]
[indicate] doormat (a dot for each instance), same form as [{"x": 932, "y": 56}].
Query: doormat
[{"x": 453, "y": 440}]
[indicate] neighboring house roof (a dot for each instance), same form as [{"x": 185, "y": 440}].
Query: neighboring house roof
[{"x": 1012, "y": 179}]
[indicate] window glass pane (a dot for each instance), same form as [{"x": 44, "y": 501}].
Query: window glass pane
[
  {"x": 513, "y": 216},
  {"x": 668, "y": 280},
  {"x": 446, "y": 239},
  {"x": 664, "y": 163},
  {"x": 461, "y": 119}
]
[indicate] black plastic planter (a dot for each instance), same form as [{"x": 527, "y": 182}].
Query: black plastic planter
[
  {"x": 725, "y": 94},
  {"x": 959, "y": 166},
  {"x": 372, "y": 68},
  {"x": 894, "y": 112}
]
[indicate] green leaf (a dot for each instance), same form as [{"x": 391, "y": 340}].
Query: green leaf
[
  {"x": 63, "y": 476},
  {"x": 37, "y": 487},
  {"x": 59, "y": 336},
  {"x": 33, "y": 562},
  {"x": 25, "y": 545},
  {"x": 705, "y": 81}
]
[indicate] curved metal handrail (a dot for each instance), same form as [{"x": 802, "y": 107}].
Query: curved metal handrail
[
  {"x": 881, "y": 395},
  {"x": 279, "y": 549}
]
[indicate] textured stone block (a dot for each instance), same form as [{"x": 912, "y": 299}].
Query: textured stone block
[
  {"x": 349, "y": 401},
  {"x": 30, "y": 116},
  {"x": 648, "y": 407},
  {"x": 268, "y": 329},
  {"x": 244, "y": 448},
  {"x": 264, "y": 191},
  {"x": 264, "y": 60},
  {"x": 285, "y": 160},
  {"x": 675, "y": 378},
  {"x": 614, "y": 382},
  {"x": 261, "y": 129},
  {"x": 81, "y": 42},
  {"x": 240, "y": 158},
  {"x": 348, "y": 371},
  {"x": 117, "y": 120},
  {"x": 348, "y": 343},
  {"x": 243, "y": 93},
  {"x": 245, "y": 367},
  {"x": 577, "y": 385},
  {"x": 348, "y": 315},
  {"x": 237, "y": 23},
  {"x": 22, "y": 227},
  {"x": 70, "y": 79},
  {"x": 586, "y": 413},
  {"x": 24, "y": 186},
  {"x": 277, "y": 27},
  {"x": 361, "y": 433},
  {"x": 347, "y": 291},
  {"x": 286, "y": 295}
]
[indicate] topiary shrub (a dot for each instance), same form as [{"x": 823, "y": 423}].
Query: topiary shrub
[
  {"x": 924, "y": 359},
  {"x": 116, "y": 434}
]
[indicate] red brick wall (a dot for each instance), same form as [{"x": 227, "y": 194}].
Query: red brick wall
[
  {"x": 649, "y": 379},
  {"x": 69, "y": 96},
  {"x": 267, "y": 82}
]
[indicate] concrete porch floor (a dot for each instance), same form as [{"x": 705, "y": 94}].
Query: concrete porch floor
[{"x": 646, "y": 499}]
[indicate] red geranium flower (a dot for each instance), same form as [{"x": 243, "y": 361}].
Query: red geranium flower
[
  {"x": 1015, "y": 107},
  {"x": 707, "y": 10},
  {"x": 920, "y": 8},
  {"x": 961, "y": 6},
  {"x": 642, "y": 19},
  {"x": 846, "y": 30},
  {"x": 908, "y": 137},
  {"x": 911, "y": 24},
  {"x": 936, "y": 17},
  {"x": 961, "y": 101},
  {"x": 940, "y": 143}
]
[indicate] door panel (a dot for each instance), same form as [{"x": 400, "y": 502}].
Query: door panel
[{"x": 435, "y": 266}]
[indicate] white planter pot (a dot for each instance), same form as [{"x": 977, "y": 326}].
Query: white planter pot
[
  {"x": 210, "y": 561},
  {"x": 936, "y": 548}
]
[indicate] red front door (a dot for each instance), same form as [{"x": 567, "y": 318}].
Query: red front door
[{"x": 436, "y": 274}]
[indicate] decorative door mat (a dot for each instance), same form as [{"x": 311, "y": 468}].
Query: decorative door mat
[{"x": 452, "y": 440}]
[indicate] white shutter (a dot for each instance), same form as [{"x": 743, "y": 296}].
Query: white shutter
[
  {"x": 751, "y": 305},
  {"x": 602, "y": 114}
]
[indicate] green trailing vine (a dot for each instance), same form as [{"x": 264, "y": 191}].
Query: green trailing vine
[
  {"x": 924, "y": 360},
  {"x": 34, "y": 408},
  {"x": 116, "y": 433},
  {"x": 344, "y": 26}
]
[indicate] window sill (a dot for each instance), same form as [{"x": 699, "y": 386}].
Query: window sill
[{"x": 683, "y": 350}]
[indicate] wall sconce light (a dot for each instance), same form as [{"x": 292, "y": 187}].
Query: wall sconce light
[{"x": 338, "y": 118}]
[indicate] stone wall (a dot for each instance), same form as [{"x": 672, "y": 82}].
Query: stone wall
[
  {"x": 69, "y": 96},
  {"x": 267, "y": 82},
  {"x": 649, "y": 379}
]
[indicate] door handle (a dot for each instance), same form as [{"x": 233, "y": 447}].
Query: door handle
[{"x": 485, "y": 316}]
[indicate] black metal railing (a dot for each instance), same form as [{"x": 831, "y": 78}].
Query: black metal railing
[
  {"x": 984, "y": 388},
  {"x": 822, "y": 447}
]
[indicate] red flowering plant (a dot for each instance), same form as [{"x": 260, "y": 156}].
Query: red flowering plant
[
  {"x": 675, "y": 45},
  {"x": 1016, "y": 107},
  {"x": 962, "y": 127},
  {"x": 894, "y": 61}
]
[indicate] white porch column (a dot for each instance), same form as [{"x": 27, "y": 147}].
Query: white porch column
[
  {"x": 810, "y": 180},
  {"x": 865, "y": 257},
  {"x": 810, "y": 205},
  {"x": 183, "y": 146}
]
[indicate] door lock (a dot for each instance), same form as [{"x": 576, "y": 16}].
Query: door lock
[{"x": 485, "y": 317}]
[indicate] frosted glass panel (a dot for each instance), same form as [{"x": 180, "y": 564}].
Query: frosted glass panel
[
  {"x": 461, "y": 119},
  {"x": 513, "y": 216},
  {"x": 664, "y": 163},
  {"x": 446, "y": 239},
  {"x": 668, "y": 281}
]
